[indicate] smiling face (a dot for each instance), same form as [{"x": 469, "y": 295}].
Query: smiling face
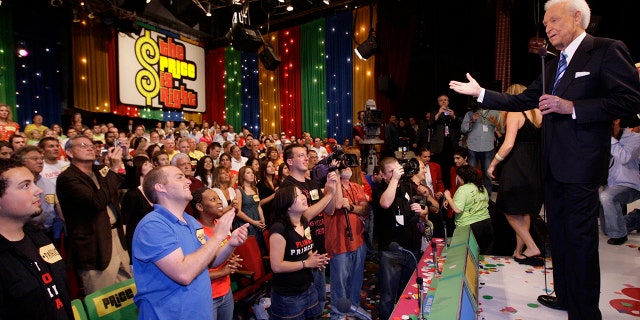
[
  {"x": 21, "y": 198},
  {"x": 177, "y": 187},
  {"x": 562, "y": 25},
  {"x": 211, "y": 204}
]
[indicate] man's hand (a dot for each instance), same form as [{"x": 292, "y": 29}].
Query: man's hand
[
  {"x": 554, "y": 104},
  {"x": 471, "y": 88},
  {"x": 398, "y": 171},
  {"x": 238, "y": 236}
]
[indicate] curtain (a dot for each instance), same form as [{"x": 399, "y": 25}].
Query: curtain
[
  {"x": 90, "y": 68},
  {"x": 269, "y": 95},
  {"x": 215, "y": 86},
  {"x": 393, "y": 60},
  {"x": 503, "y": 45},
  {"x": 290, "y": 90},
  {"x": 312, "y": 63},
  {"x": 233, "y": 80},
  {"x": 7, "y": 61},
  {"x": 364, "y": 86},
  {"x": 250, "y": 93},
  {"x": 37, "y": 75},
  {"x": 339, "y": 75}
]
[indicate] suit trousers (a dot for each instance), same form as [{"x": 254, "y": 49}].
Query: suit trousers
[{"x": 572, "y": 213}]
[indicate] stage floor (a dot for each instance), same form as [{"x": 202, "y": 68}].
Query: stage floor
[{"x": 508, "y": 290}]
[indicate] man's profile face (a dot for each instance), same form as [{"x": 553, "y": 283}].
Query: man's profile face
[
  {"x": 426, "y": 157},
  {"x": 215, "y": 152}
]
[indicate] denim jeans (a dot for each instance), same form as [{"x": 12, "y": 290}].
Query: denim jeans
[
  {"x": 396, "y": 268},
  {"x": 347, "y": 273},
  {"x": 320, "y": 283},
  {"x": 485, "y": 157},
  {"x": 611, "y": 201},
  {"x": 633, "y": 220},
  {"x": 223, "y": 307},
  {"x": 299, "y": 307}
]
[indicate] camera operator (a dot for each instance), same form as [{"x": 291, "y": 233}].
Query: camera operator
[{"x": 397, "y": 218}]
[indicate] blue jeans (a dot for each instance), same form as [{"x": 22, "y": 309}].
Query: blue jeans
[
  {"x": 347, "y": 273},
  {"x": 396, "y": 268},
  {"x": 485, "y": 157},
  {"x": 633, "y": 220},
  {"x": 299, "y": 307},
  {"x": 223, "y": 307},
  {"x": 611, "y": 201},
  {"x": 320, "y": 283}
]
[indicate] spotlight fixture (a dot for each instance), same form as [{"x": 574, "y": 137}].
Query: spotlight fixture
[
  {"x": 209, "y": 10},
  {"x": 75, "y": 15},
  {"x": 289, "y": 7},
  {"x": 327, "y": 2},
  {"x": 368, "y": 48},
  {"x": 56, "y": 3},
  {"x": 269, "y": 58}
]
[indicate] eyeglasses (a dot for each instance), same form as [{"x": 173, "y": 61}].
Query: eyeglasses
[
  {"x": 34, "y": 158},
  {"x": 85, "y": 146}
]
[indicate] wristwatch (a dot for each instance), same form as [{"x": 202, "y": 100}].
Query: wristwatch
[{"x": 351, "y": 208}]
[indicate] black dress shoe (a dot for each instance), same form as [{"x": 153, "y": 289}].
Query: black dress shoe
[
  {"x": 550, "y": 302},
  {"x": 617, "y": 241}
]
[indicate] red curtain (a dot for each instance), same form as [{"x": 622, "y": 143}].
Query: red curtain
[
  {"x": 290, "y": 86},
  {"x": 393, "y": 60},
  {"x": 215, "y": 78}
]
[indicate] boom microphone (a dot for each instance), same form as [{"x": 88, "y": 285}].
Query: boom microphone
[
  {"x": 542, "y": 51},
  {"x": 344, "y": 305}
]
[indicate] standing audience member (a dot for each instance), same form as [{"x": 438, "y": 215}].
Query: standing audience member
[
  {"x": 446, "y": 134},
  {"x": 7, "y": 126},
  {"x": 89, "y": 199},
  {"x": 249, "y": 206},
  {"x": 135, "y": 204},
  {"x": 171, "y": 253},
  {"x": 623, "y": 181},
  {"x": 470, "y": 203},
  {"x": 208, "y": 209},
  {"x": 520, "y": 192},
  {"x": 293, "y": 255},
  {"x": 267, "y": 187},
  {"x": 33, "y": 282},
  {"x": 480, "y": 126},
  {"x": 295, "y": 157},
  {"x": 592, "y": 81},
  {"x": 391, "y": 136},
  {"x": 183, "y": 162},
  {"x": 222, "y": 186},
  {"x": 53, "y": 166},
  {"x": 36, "y": 125},
  {"x": 347, "y": 252},
  {"x": 204, "y": 171},
  {"x": 396, "y": 220}
]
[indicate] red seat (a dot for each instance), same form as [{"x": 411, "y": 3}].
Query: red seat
[{"x": 253, "y": 273}]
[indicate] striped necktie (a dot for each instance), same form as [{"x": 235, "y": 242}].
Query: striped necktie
[{"x": 562, "y": 66}]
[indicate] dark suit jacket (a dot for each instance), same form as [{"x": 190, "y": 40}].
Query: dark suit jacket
[
  {"x": 437, "y": 138},
  {"x": 85, "y": 210},
  {"x": 603, "y": 84}
]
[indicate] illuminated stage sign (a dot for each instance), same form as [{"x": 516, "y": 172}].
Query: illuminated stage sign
[{"x": 159, "y": 71}]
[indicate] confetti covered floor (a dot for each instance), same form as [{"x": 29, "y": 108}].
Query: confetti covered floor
[{"x": 508, "y": 290}]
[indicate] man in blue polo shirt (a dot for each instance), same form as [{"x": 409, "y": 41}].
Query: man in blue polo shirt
[{"x": 171, "y": 254}]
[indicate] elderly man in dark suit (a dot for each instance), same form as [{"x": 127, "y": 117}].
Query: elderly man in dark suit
[
  {"x": 591, "y": 82},
  {"x": 88, "y": 196}
]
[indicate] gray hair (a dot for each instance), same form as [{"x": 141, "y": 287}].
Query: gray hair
[
  {"x": 572, "y": 6},
  {"x": 174, "y": 160}
]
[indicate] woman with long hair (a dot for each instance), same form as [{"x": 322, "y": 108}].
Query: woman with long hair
[
  {"x": 292, "y": 256},
  {"x": 207, "y": 208},
  {"x": 249, "y": 206},
  {"x": 225, "y": 162},
  {"x": 254, "y": 164},
  {"x": 134, "y": 204},
  {"x": 204, "y": 171},
  {"x": 267, "y": 187},
  {"x": 520, "y": 189},
  {"x": 470, "y": 204},
  {"x": 283, "y": 172},
  {"x": 222, "y": 186},
  {"x": 7, "y": 126}
]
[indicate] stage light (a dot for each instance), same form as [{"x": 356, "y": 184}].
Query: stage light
[
  {"x": 22, "y": 53},
  {"x": 289, "y": 8},
  {"x": 327, "y": 2},
  {"x": 368, "y": 48},
  {"x": 269, "y": 58},
  {"x": 209, "y": 10}
]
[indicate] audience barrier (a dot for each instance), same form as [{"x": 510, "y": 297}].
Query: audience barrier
[{"x": 114, "y": 302}]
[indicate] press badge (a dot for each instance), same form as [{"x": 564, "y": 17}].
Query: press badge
[
  {"x": 201, "y": 237},
  {"x": 314, "y": 194},
  {"x": 485, "y": 128}
]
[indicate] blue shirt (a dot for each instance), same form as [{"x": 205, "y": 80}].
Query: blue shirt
[{"x": 159, "y": 297}]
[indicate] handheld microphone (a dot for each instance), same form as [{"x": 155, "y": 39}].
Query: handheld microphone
[
  {"x": 542, "y": 51},
  {"x": 344, "y": 305}
]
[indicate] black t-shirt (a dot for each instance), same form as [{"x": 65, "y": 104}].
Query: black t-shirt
[
  {"x": 313, "y": 192},
  {"x": 388, "y": 222},
  {"x": 32, "y": 280},
  {"x": 296, "y": 249},
  {"x": 264, "y": 191}
]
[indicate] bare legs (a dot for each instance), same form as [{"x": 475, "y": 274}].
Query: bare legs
[{"x": 520, "y": 224}]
